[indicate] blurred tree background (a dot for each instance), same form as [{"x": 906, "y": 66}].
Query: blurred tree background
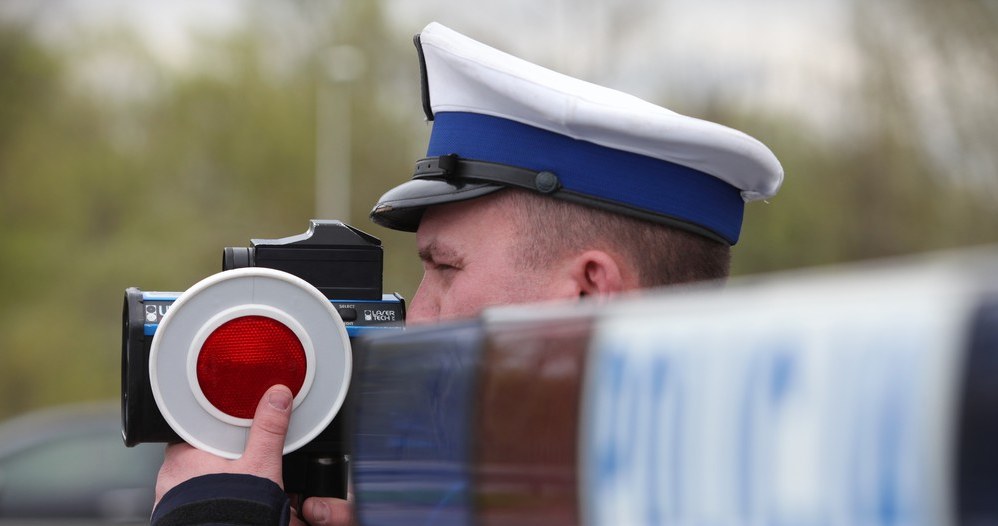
[{"x": 119, "y": 167}]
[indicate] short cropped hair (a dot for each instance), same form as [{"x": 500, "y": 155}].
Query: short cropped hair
[{"x": 661, "y": 254}]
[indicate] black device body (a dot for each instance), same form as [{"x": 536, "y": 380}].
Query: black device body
[{"x": 343, "y": 263}]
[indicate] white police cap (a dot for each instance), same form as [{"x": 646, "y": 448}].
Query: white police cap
[{"x": 500, "y": 121}]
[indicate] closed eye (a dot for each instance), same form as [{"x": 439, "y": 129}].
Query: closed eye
[
  {"x": 437, "y": 266},
  {"x": 441, "y": 261}
]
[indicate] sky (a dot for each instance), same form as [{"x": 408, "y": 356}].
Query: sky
[
  {"x": 790, "y": 60},
  {"x": 778, "y": 53},
  {"x": 781, "y": 52}
]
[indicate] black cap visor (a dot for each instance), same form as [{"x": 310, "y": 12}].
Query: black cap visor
[{"x": 401, "y": 208}]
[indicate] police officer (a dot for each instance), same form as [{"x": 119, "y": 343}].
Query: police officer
[{"x": 536, "y": 187}]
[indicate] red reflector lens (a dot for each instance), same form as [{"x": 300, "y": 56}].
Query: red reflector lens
[{"x": 243, "y": 358}]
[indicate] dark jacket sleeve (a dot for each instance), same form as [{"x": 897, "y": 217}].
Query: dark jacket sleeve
[{"x": 224, "y": 500}]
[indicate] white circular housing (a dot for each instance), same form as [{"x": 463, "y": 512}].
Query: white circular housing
[{"x": 233, "y": 294}]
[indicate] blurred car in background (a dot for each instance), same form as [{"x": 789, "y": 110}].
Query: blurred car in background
[{"x": 67, "y": 465}]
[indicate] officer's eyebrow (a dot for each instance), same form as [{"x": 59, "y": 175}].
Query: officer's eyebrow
[{"x": 434, "y": 251}]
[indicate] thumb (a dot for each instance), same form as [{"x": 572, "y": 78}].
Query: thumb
[{"x": 265, "y": 443}]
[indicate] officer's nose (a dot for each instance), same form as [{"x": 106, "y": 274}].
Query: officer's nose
[{"x": 424, "y": 307}]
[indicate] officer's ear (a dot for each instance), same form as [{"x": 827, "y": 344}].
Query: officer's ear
[{"x": 601, "y": 274}]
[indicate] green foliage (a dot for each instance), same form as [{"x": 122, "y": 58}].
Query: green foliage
[
  {"x": 892, "y": 189},
  {"x": 878, "y": 199},
  {"x": 102, "y": 190}
]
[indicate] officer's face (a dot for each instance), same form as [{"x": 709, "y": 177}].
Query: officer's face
[{"x": 469, "y": 259}]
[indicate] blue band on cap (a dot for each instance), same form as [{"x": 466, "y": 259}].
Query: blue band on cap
[{"x": 633, "y": 180}]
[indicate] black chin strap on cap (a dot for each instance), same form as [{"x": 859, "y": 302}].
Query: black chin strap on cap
[{"x": 454, "y": 169}]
